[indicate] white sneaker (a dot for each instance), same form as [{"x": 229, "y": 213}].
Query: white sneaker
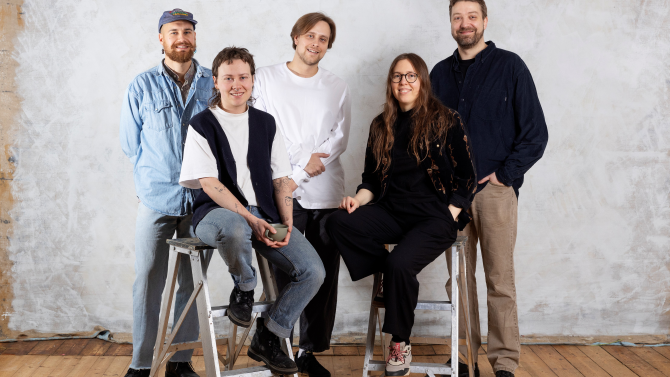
[{"x": 400, "y": 356}]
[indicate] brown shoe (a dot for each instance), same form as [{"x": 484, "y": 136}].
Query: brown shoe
[{"x": 400, "y": 356}]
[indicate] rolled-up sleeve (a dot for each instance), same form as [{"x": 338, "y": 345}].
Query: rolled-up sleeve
[{"x": 131, "y": 123}]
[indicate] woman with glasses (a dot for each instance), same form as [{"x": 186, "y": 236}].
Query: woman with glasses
[{"x": 418, "y": 181}]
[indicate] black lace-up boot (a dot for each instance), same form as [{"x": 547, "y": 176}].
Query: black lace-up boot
[
  {"x": 138, "y": 372},
  {"x": 307, "y": 363},
  {"x": 240, "y": 306},
  {"x": 266, "y": 348},
  {"x": 463, "y": 369},
  {"x": 182, "y": 369}
]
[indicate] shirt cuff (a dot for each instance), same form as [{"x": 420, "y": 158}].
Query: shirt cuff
[
  {"x": 503, "y": 177},
  {"x": 459, "y": 201},
  {"x": 193, "y": 181},
  {"x": 299, "y": 176}
]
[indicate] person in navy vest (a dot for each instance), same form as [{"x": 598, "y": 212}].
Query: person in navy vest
[{"x": 236, "y": 154}]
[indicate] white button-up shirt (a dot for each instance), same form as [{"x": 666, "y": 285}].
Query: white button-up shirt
[{"x": 314, "y": 115}]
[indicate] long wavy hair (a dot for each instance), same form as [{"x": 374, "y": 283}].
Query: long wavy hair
[{"x": 431, "y": 120}]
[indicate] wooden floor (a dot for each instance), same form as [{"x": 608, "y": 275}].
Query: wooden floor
[{"x": 95, "y": 357}]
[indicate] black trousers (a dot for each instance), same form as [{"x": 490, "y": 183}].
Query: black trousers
[
  {"x": 318, "y": 317},
  {"x": 422, "y": 232}
]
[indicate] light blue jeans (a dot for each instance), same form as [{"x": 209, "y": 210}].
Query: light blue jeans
[
  {"x": 151, "y": 266},
  {"x": 232, "y": 236}
]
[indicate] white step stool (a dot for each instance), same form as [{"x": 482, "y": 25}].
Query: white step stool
[
  {"x": 458, "y": 274},
  {"x": 206, "y": 313}
]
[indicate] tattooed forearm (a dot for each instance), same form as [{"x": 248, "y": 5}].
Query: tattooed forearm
[
  {"x": 237, "y": 210},
  {"x": 288, "y": 200},
  {"x": 281, "y": 183},
  {"x": 222, "y": 189}
]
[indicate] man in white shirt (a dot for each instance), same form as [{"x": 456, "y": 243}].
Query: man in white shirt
[{"x": 312, "y": 109}]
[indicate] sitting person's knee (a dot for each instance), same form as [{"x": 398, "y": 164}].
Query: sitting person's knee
[
  {"x": 336, "y": 221},
  {"x": 236, "y": 231},
  {"x": 395, "y": 264}
]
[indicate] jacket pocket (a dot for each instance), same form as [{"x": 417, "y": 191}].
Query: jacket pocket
[
  {"x": 491, "y": 104},
  {"x": 158, "y": 115}
]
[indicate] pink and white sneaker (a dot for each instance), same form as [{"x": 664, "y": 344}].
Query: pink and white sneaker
[{"x": 400, "y": 356}]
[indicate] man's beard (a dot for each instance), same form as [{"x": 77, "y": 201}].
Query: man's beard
[
  {"x": 470, "y": 41},
  {"x": 180, "y": 56},
  {"x": 305, "y": 60}
]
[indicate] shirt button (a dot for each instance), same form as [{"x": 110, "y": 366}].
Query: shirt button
[{"x": 463, "y": 99}]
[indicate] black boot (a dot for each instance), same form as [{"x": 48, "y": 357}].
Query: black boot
[
  {"x": 240, "y": 306},
  {"x": 182, "y": 369},
  {"x": 266, "y": 347},
  {"x": 307, "y": 363},
  {"x": 138, "y": 372},
  {"x": 504, "y": 373},
  {"x": 463, "y": 369}
]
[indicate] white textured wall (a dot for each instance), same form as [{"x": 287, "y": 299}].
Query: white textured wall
[{"x": 594, "y": 219}]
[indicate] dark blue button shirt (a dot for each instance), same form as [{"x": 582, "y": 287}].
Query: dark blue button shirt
[{"x": 498, "y": 102}]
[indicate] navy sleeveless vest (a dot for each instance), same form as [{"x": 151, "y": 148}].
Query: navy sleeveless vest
[{"x": 262, "y": 130}]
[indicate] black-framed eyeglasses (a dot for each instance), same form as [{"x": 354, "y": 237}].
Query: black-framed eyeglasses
[{"x": 410, "y": 77}]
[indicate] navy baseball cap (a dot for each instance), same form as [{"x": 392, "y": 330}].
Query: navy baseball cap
[{"x": 176, "y": 15}]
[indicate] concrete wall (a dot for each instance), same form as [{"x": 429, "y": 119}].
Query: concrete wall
[{"x": 592, "y": 254}]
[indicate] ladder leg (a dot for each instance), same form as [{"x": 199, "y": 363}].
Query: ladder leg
[
  {"x": 166, "y": 305},
  {"x": 454, "y": 310},
  {"x": 232, "y": 342},
  {"x": 198, "y": 265},
  {"x": 372, "y": 323},
  {"x": 465, "y": 299}
]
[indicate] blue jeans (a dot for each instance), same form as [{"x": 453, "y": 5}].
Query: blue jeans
[
  {"x": 151, "y": 265},
  {"x": 232, "y": 236}
]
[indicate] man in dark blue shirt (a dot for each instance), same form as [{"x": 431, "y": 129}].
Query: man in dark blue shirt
[{"x": 494, "y": 93}]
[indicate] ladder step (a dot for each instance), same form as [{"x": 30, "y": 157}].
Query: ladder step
[
  {"x": 248, "y": 372},
  {"x": 259, "y": 307},
  {"x": 421, "y": 305},
  {"x": 378, "y": 365}
]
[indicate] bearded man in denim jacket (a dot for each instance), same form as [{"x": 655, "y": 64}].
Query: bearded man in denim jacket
[{"x": 155, "y": 115}]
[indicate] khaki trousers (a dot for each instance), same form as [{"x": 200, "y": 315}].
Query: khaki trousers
[{"x": 493, "y": 225}]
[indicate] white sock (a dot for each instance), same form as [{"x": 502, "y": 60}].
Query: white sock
[{"x": 301, "y": 351}]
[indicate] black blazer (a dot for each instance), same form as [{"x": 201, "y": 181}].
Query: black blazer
[{"x": 449, "y": 166}]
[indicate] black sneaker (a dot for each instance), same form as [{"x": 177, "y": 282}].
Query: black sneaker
[
  {"x": 504, "y": 373},
  {"x": 179, "y": 369},
  {"x": 463, "y": 369},
  {"x": 240, "y": 306},
  {"x": 307, "y": 363},
  {"x": 266, "y": 348},
  {"x": 138, "y": 372}
]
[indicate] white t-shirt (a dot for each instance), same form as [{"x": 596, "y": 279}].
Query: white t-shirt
[
  {"x": 314, "y": 114},
  {"x": 199, "y": 161}
]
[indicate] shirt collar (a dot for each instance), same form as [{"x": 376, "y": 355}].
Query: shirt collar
[
  {"x": 483, "y": 54},
  {"x": 199, "y": 70}
]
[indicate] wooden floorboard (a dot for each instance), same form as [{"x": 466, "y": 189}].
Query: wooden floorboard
[
  {"x": 557, "y": 363},
  {"x": 580, "y": 361},
  {"x": 632, "y": 361},
  {"x": 98, "y": 358},
  {"x": 606, "y": 361},
  {"x": 658, "y": 361}
]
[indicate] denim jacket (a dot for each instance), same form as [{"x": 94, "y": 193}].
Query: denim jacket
[{"x": 154, "y": 122}]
